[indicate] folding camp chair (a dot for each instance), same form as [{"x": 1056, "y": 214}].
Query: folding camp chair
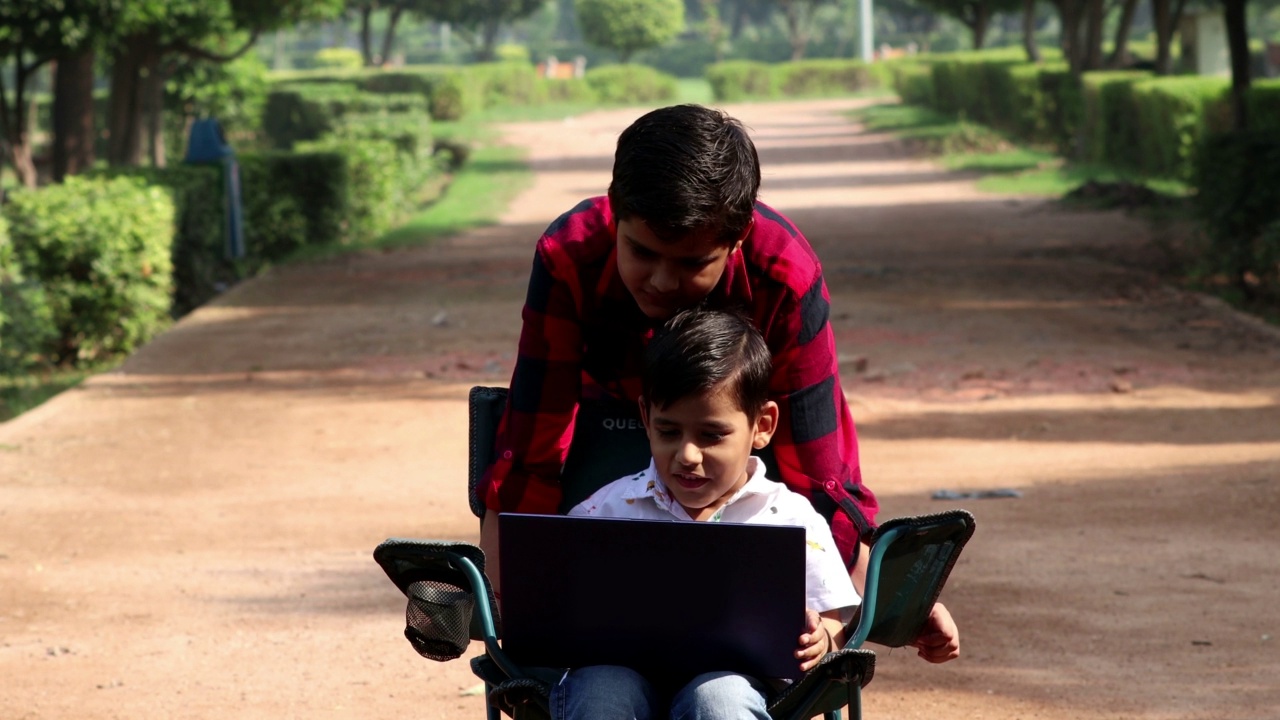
[{"x": 450, "y": 602}]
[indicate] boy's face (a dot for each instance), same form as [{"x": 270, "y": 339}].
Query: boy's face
[
  {"x": 700, "y": 446},
  {"x": 667, "y": 277}
]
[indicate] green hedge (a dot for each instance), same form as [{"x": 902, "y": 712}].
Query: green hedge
[
  {"x": 201, "y": 268},
  {"x": 292, "y": 200},
  {"x": 823, "y": 78},
  {"x": 376, "y": 192},
  {"x": 1263, "y": 103},
  {"x": 1237, "y": 181},
  {"x": 100, "y": 249},
  {"x": 26, "y": 322},
  {"x": 746, "y": 79},
  {"x": 295, "y": 113},
  {"x": 1129, "y": 119},
  {"x": 630, "y": 84},
  {"x": 735, "y": 80},
  {"x": 1172, "y": 116},
  {"x": 1110, "y": 124},
  {"x": 450, "y": 92}
]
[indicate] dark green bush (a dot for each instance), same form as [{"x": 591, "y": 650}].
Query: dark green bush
[
  {"x": 201, "y": 268},
  {"x": 1111, "y": 132},
  {"x": 508, "y": 83},
  {"x": 817, "y": 78},
  {"x": 914, "y": 83},
  {"x": 376, "y": 189},
  {"x": 26, "y": 323},
  {"x": 100, "y": 248},
  {"x": 1174, "y": 115},
  {"x": 1237, "y": 181},
  {"x": 630, "y": 84},
  {"x": 296, "y": 113},
  {"x": 292, "y": 200},
  {"x": 1263, "y": 104},
  {"x": 741, "y": 79}
]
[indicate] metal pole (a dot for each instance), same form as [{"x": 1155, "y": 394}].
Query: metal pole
[{"x": 865, "y": 30}]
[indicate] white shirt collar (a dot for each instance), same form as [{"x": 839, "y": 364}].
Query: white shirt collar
[{"x": 649, "y": 485}]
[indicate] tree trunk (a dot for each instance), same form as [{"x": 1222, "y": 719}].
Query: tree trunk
[
  {"x": 1166, "y": 23},
  {"x": 389, "y": 37},
  {"x": 73, "y": 113},
  {"x": 366, "y": 34},
  {"x": 981, "y": 21},
  {"x": 153, "y": 112},
  {"x": 1070, "y": 12},
  {"x": 1029, "y": 31},
  {"x": 1238, "y": 42},
  {"x": 489, "y": 38},
  {"x": 795, "y": 28},
  {"x": 1096, "y": 13},
  {"x": 1120, "y": 52},
  {"x": 124, "y": 121},
  {"x": 15, "y": 127}
]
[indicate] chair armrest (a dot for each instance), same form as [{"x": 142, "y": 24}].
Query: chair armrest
[{"x": 827, "y": 687}]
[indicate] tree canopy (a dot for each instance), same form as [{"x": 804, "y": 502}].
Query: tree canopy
[{"x": 626, "y": 26}]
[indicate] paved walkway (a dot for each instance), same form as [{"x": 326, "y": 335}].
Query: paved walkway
[{"x": 190, "y": 536}]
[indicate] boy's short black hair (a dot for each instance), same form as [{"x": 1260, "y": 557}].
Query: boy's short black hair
[
  {"x": 686, "y": 168},
  {"x": 697, "y": 350}
]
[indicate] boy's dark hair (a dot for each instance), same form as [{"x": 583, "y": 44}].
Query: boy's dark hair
[
  {"x": 697, "y": 350},
  {"x": 686, "y": 168}
]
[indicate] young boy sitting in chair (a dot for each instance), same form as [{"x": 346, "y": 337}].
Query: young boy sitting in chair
[{"x": 705, "y": 407}]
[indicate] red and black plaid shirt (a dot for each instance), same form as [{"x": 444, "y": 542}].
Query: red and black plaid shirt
[{"x": 584, "y": 337}]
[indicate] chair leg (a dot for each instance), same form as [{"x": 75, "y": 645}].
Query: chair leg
[
  {"x": 491, "y": 711},
  {"x": 855, "y": 702}
]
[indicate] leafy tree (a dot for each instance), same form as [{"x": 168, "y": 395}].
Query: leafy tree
[
  {"x": 975, "y": 14},
  {"x": 627, "y": 26},
  {"x": 395, "y": 12},
  {"x": 151, "y": 38},
  {"x": 799, "y": 18},
  {"x": 478, "y": 21},
  {"x": 32, "y": 34}
]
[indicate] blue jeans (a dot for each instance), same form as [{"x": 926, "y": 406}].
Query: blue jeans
[{"x": 609, "y": 692}]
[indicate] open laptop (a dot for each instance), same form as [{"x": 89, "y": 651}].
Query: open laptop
[{"x": 669, "y": 599}]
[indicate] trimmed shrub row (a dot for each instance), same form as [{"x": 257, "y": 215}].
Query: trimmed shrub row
[
  {"x": 1130, "y": 119},
  {"x": 1238, "y": 180},
  {"x": 93, "y": 271},
  {"x": 452, "y": 92},
  {"x": 747, "y": 79}
]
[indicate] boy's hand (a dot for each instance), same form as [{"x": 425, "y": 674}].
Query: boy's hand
[
  {"x": 939, "y": 640},
  {"x": 815, "y": 642}
]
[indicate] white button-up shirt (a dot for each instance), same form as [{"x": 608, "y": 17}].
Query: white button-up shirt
[{"x": 761, "y": 501}]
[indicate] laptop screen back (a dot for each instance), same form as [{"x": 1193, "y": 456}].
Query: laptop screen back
[{"x": 669, "y": 599}]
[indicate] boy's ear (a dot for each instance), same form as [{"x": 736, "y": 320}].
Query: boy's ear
[
  {"x": 644, "y": 413},
  {"x": 766, "y": 424}
]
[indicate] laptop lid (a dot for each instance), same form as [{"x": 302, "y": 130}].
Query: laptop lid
[{"x": 669, "y": 599}]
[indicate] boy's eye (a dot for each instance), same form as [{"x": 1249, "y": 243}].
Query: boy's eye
[
  {"x": 668, "y": 433},
  {"x": 641, "y": 251},
  {"x": 694, "y": 263},
  {"x": 713, "y": 437}
]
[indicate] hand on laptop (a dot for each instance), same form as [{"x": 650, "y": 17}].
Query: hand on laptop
[
  {"x": 822, "y": 634},
  {"x": 939, "y": 640}
]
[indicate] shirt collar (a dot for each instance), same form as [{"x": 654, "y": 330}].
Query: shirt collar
[{"x": 649, "y": 486}]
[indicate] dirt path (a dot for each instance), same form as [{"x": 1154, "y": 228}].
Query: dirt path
[{"x": 190, "y": 536}]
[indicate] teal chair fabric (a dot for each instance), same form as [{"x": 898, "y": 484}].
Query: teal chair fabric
[{"x": 450, "y": 602}]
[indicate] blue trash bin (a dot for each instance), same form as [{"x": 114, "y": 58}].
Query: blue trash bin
[{"x": 207, "y": 145}]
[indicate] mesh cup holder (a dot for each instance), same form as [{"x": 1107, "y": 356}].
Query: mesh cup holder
[{"x": 438, "y": 619}]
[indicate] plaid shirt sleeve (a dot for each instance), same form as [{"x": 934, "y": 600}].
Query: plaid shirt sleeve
[
  {"x": 537, "y": 425},
  {"x": 816, "y": 445}
]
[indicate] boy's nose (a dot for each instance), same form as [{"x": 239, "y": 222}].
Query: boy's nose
[
  {"x": 689, "y": 455},
  {"x": 664, "y": 280}
]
